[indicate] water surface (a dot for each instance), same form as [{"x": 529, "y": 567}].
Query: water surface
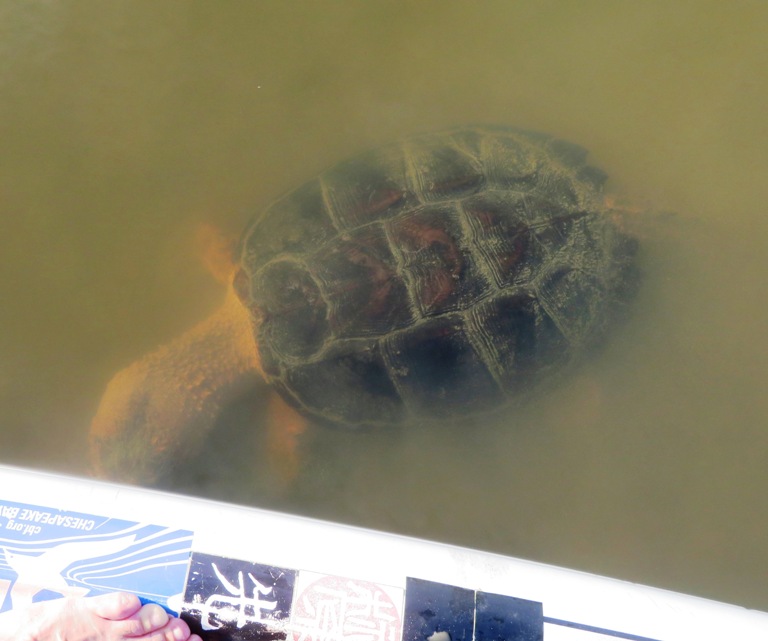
[{"x": 127, "y": 124}]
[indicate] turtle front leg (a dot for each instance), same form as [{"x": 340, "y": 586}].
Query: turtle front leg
[{"x": 156, "y": 413}]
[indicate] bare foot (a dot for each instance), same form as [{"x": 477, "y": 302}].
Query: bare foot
[{"x": 109, "y": 617}]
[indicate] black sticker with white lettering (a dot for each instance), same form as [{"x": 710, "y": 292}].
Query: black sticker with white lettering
[{"x": 238, "y": 600}]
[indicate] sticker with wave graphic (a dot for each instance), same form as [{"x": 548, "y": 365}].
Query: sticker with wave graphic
[{"x": 48, "y": 553}]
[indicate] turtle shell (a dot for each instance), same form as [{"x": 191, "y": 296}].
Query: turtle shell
[{"x": 434, "y": 278}]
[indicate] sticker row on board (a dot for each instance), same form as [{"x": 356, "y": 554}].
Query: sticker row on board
[
  {"x": 233, "y": 599},
  {"x": 47, "y": 553}
]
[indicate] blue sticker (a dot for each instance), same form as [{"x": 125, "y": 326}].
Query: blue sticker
[
  {"x": 436, "y": 607},
  {"x": 237, "y": 600},
  {"x": 500, "y": 617},
  {"x": 48, "y": 553},
  {"x": 441, "y": 612}
]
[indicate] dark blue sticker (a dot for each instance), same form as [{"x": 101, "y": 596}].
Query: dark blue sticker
[
  {"x": 231, "y": 599},
  {"x": 47, "y": 553},
  {"x": 436, "y": 607},
  {"x": 441, "y": 612},
  {"x": 503, "y": 618}
]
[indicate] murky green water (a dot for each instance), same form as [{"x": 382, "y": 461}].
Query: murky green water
[{"x": 125, "y": 124}]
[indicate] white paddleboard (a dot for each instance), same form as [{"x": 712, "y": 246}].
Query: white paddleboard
[{"x": 243, "y": 573}]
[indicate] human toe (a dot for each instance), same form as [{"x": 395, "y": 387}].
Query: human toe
[
  {"x": 149, "y": 619},
  {"x": 114, "y": 606},
  {"x": 174, "y": 630}
]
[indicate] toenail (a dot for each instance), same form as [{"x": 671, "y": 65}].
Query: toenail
[{"x": 178, "y": 634}]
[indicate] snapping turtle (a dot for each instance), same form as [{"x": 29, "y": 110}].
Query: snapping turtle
[{"x": 436, "y": 278}]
